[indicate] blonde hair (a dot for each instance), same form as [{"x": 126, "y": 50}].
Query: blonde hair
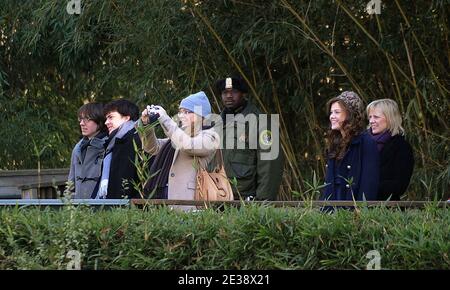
[{"x": 390, "y": 110}]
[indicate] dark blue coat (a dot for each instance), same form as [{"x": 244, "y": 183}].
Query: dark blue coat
[{"x": 361, "y": 164}]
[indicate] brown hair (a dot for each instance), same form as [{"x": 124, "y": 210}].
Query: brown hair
[
  {"x": 352, "y": 126},
  {"x": 123, "y": 107},
  {"x": 93, "y": 111}
]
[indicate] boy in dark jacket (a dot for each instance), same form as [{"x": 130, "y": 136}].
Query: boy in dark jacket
[{"x": 118, "y": 169}]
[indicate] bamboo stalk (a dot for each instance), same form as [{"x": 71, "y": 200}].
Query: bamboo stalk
[
  {"x": 325, "y": 49},
  {"x": 397, "y": 88},
  {"x": 283, "y": 133},
  {"x": 411, "y": 67},
  {"x": 438, "y": 83},
  {"x": 287, "y": 147},
  {"x": 397, "y": 66},
  {"x": 311, "y": 110},
  {"x": 232, "y": 59}
]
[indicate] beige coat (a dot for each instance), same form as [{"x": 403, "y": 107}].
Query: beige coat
[{"x": 183, "y": 172}]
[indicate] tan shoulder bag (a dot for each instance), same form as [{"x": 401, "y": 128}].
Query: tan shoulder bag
[{"x": 213, "y": 186}]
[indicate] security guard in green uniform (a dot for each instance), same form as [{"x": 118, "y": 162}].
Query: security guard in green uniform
[{"x": 256, "y": 178}]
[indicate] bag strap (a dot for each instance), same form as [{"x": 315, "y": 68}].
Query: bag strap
[{"x": 218, "y": 157}]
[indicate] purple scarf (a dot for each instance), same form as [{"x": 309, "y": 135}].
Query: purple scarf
[{"x": 381, "y": 138}]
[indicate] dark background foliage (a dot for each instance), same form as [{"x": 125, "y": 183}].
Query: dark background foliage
[{"x": 294, "y": 54}]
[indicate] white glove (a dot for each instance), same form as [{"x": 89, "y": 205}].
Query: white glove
[
  {"x": 158, "y": 110},
  {"x": 103, "y": 189}
]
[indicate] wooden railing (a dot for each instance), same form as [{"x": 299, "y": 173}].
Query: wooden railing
[
  {"x": 32, "y": 183},
  {"x": 47, "y": 190}
]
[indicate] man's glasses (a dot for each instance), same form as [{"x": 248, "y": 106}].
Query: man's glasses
[{"x": 85, "y": 119}]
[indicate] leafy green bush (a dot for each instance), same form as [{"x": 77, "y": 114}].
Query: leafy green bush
[{"x": 250, "y": 237}]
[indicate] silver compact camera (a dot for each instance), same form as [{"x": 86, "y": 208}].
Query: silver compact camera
[{"x": 152, "y": 115}]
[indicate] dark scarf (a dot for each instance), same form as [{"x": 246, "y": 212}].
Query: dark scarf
[
  {"x": 159, "y": 171},
  {"x": 381, "y": 138}
]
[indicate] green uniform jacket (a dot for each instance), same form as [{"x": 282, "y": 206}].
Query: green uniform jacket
[{"x": 255, "y": 177}]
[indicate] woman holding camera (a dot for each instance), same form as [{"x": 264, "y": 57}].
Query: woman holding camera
[
  {"x": 396, "y": 155},
  {"x": 174, "y": 169},
  {"x": 353, "y": 162}
]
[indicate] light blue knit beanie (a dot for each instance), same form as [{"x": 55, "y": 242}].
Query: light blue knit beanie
[{"x": 197, "y": 103}]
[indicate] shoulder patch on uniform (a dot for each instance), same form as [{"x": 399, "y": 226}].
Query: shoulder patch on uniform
[{"x": 265, "y": 138}]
